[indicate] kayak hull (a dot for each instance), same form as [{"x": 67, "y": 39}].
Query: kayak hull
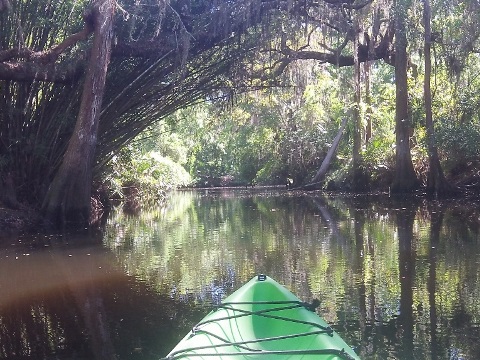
[{"x": 262, "y": 320}]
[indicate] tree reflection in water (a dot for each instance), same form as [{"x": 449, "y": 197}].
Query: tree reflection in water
[{"x": 397, "y": 278}]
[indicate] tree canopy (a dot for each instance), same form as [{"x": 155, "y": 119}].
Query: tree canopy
[{"x": 162, "y": 56}]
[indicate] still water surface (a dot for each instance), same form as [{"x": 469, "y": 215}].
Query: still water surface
[{"x": 398, "y": 279}]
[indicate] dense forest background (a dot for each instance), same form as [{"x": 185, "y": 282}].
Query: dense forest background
[{"x": 125, "y": 99}]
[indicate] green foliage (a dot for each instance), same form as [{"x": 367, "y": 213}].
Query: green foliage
[
  {"x": 166, "y": 172},
  {"x": 458, "y": 142},
  {"x": 380, "y": 152},
  {"x": 148, "y": 171},
  {"x": 269, "y": 135}
]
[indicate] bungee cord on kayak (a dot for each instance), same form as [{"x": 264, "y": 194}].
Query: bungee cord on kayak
[
  {"x": 309, "y": 306},
  {"x": 243, "y": 345},
  {"x": 263, "y": 312},
  {"x": 342, "y": 354}
]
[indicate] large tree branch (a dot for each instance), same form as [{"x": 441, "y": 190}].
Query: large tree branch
[
  {"x": 24, "y": 64},
  {"x": 47, "y": 56},
  {"x": 366, "y": 52},
  {"x": 29, "y": 71}
]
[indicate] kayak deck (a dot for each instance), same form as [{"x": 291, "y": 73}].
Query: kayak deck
[{"x": 262, "y": 320}]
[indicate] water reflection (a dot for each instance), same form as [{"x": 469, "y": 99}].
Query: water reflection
[
  {"x": 397, "y": 278},
  {"x": 69, "y": 302}
]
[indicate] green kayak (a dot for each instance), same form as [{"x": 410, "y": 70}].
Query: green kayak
[{"x": 262, "y": 320}]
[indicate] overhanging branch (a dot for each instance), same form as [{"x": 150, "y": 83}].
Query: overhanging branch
[{"x": 30, "y": 71}]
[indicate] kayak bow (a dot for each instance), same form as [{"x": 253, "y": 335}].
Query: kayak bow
[{"x": 262, "y": 320}]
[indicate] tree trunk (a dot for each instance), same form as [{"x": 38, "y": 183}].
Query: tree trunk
[
  {"x": 357, "y": 137},
  {"x": 368, "y": 102},
  {"x": 328, "y": 158},
  {"x": 360, "y": 181},
  {"x": 368, "y": 95},
  {"x": 405, "y": 177},
  {"x": 68, "y": 197},
  {"x": 436, "y": 181},
  {"x": 8, "y": 196}
]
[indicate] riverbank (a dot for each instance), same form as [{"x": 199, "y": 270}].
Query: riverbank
[
  {"x": 25, "y": 219},
  {"x": 18, "y": 220}
]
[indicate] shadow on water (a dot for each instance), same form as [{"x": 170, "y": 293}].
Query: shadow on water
[
  {"x": 397, "y": 278},
  {"x": 69, "y": 302}
]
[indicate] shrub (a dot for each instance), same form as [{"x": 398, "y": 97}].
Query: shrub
[{"x": 458, "y": 142}]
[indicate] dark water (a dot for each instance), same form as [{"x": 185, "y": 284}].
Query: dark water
[{"x": 398, "y": 279}]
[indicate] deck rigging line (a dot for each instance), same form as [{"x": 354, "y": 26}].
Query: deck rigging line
[
  {"x": 339, "y": 353},
  {"x": 242, "y": 344},
  {"x": 263, "y": 313}
]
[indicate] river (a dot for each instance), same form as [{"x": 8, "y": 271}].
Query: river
[{"x": 396, "y": 278}]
